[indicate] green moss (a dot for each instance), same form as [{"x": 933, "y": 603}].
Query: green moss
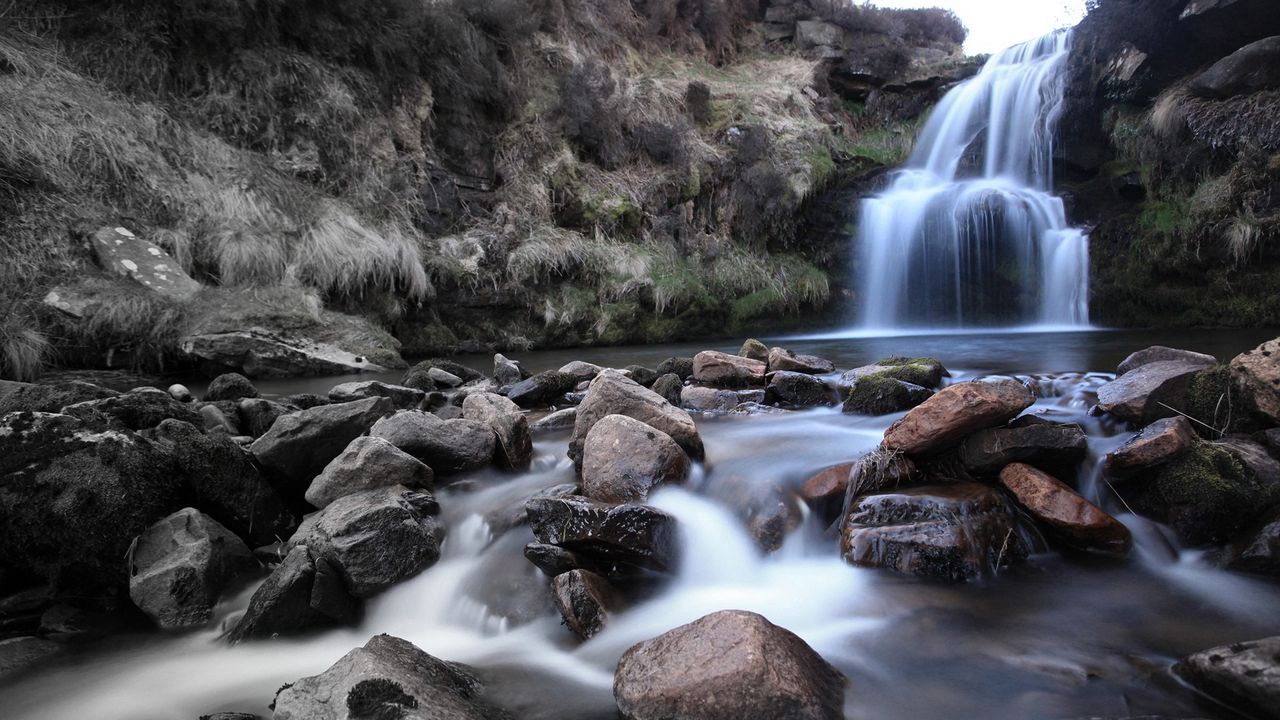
[
  {"x": 924, "y": 371},
  {"x": 1205, "y": 494},
  {"x": 880, "y": 394}
]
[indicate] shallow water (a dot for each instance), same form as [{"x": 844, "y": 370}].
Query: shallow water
[{"x": 1061, "y": 637}]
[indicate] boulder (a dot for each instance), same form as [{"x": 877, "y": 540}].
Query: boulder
[
  {"x": 1257, "y": 374},
  {"x": 768, "y": 509},
  {"x": 1244, "y": 675},
  {"x": 542, "y": 389},
  {"x": 711, "y": 367},
  {"x": 257, "y": 415},
  {"x": 1057, "y": 448},
  {"x": 678, "y": 366},
  {"x": 301, "y": 594},
  {"x": 755, "y": 350},
  {"x": 422, "y": 370},
  {"x": 1259, "y": 550},
  {"x": 514, "y": 448},
  {"x": 582, "y": 371},
  {"x": 784, "y": 360},
  {"x": 1150, "y": 392},
  {"x": 444, "y": 378},
  {"x": 923, "y": 371},
  {"x": 716, "y": 400},
  {"x": 584, "y": 600},
  {"x": 955, "y": 412},
  {"x": 558, "y": 420},
  {"x": 506, "y": 372},
  {"x": 798, "y": 390},
  {"x": 230, "y": 386},
  {"x": 387, "y": 679},
  {"x": 366, "y": 464},
  {"x": 1160, "y": 353},
  {"x": 1077, "y": 522},
  {"x": 624, "y": 459},
  {"x": 669, "y": 386},
  {"x": 1154, "y": 445},
  {"x": 448, "y": 446},
  {"x": 948, "y": 532},
  {"x": 612, "y": 393},
  {"x": 399, "y": 395},
  {"x": 138, "y": 409},
  {"x": 261, "y": 353},
  {"x": 728, "y": 665},
  {"x": 879, "y": 395},
  {"x": 375, "y": 538},
  {"x": 643, "y": 376},
  {"x": 122, "y": 253},
  {"x": 299, "y": 445},
  {"x": 180, "y": 566},
  {"x": 1253, "y": 68},
  {"x": 824, "y": 491},
  {"x": 51, "y": 398},
  {"x": 181, "y": 393},
  {"x": 216, "y": 422},
  {"x": 622, "y": 536}
]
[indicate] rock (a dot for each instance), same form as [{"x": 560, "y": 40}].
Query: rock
[
  {"x": 798, "y": 390},
  {"x": 612, "y": 393},
  {"x": 783, "y": 360},
  {"x": 375, "y": 538},
  {"x": 755, "y": 350},
  {"x": 711, "y": 367},
  {"x": 558, "y": 420},
  {"x": 449, "y": 412},
  {"x": 448, "y": 446},
  {"x": 878, "y": 395},
  {"x": 300, "y": 594},
  {"x": 769, "y": 510},
  {"x": 420, "y": 374},
  {"x": 643, "y": 376},
  {"x": 506, "y": 372},
  {"x": 542, "y": 389},
  {"x": 1259, "y": 551},
  {"x": 956, "y": 411},
  {"x": 260, "y": 353},
  {"x": 216, "y": 422},
  {"x": 1160, "y": 353},
  {"x": 180, "y": 393},
  {"x": 635, "y": 536},
  {"x": 583, "y": 371},
  {"x": 818, "y": 34},
  {"x": 728, "y": 665},
  {"x": 514, "y": 449},
  {"x": 304, "y": 401},
  {"x": 669, "y": 387},
  {"x": 257, "y": 415},
  {"x": 1253, "y": 68},
  {"x": 400, "y": 396},
  {"x": 624, "y": 459},
  {"x": 824, "y": 491},
  {"x": 366, "y": 464},
  {"x": 299, "y": 445},
  {"x": 584, "y": 600},
  {"x": 51, "y": 398},
  {"x": 1154, "y": 445},
  {"x": 1244, "y": 675},
  {"x": 1077, "y": 522},
  {"x": 1149, "y": 392},
  {"x": 947, "y": 532},
  {"x": 678, "y": 366},
  {"x": 120, "y": 252},
  {"x": 553, "y": 560},
  {"x": 444, "y": 379},
  {"x": 1057, "y": 448},
  {"x": 715, "y": 400},
  {"x": 19, "y": 653},
  {"x": 180, "y": 566},
  {"x": 387, "y": 679},
  {"x": 923, "y": 371},
  {"x": 138, "y": 409},
  {"x": 231, "y": 716},
  {"x": 1257, "y": 374},
  {"x": 1264, "y": 468},
  {"x": 230, "y": 386}
]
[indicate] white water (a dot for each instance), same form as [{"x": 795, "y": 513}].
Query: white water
[{"x": 968, "y": 233}]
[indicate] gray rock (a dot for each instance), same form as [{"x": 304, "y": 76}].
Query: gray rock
[
  {"x": 506, "y": 372},
  {"x": 400, "y": 396},
  {"x": 138, "y": 409},
  {"x": 558, "y": 420},
  {"x": 230, "y": 386},
  {"x": 1243, "y": 675},
  {"x": 50, "y": 398},
  {"x": 301, "y": 594},
  {"x": 514, "y": 443},
  {"x": 180, "y": 393},
  {"x": 553, "y": 560},
  {"x": 702, "y": 399},
  {"x": 261, "y": 353},
  {"x": 678, "y": 366},
  {"x": 669, "y": 386},
  {"x": 1253, "y": 68},
  {"x": 20, "y": 653},
  {"x": 443, "y": 378},
  {"x": 612, "y": 393},
  {"x": 1052, "y": 447},
  {"x": 215, "y": 421},
  {"x": 636, "y": 536},
  {"x": 366, "y": 464},
  {"x": 448, "y": 446},
  {"x": 299, "y": 445},
  {"x": 1149, "y": 392},
  {"x": 798, "y": 390},
  {"x": 584, "y": 600},
  {"x": 624, "y": 459},
  {"x": 582, "y": 371},
  {"x": 641, "y": 374},
  {"x": 542, "y": 389},
  {"x": 122, "y": 253},
  {"x": 1160, "y": 353},
  {"x": 784, "y": 360},
  {"x": 257, "y": 415}
]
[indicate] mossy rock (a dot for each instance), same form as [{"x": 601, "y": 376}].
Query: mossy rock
[
  {"x": 925, "y": 372},
  {"x": 1214, "y": 400},
  {"x": 880, "y": 395},
  {"x": 417, "y": 340}
]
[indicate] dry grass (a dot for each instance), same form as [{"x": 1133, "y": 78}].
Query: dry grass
[
  {"x": 1169, "y": 115},
  {"x": 1244, "y": 234},
  {"x": 23, "y": 348}
]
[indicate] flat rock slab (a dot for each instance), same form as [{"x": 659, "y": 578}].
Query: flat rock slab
[
  {"x": 1244, "y": 675},
  {"x": 954, "y": 412},
  {"x": 1076, "y": 521},
  {"x": 121, "y": 252},
  {"x": 260, "y": 353},
  {"x": 1160, "y": 353},
  {"x": 1154, "y": 445},
  {"x": 1149, "y": 392}
]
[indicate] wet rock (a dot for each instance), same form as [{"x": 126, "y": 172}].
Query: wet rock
[
  {"x": 769, "y": 510},
  {"x": 305, "y": 401},
  {"x": 755, "y": 350},
  {"x": 301, "y": 594},
  {"x": 953, "y": 532},
  {"x": 584, "y": 600},
  {"x": 419, "y": 376},
  {"x": 506, "y": 372},
  {"x": 444, "y": 379},
  {"x": 257, "y": 415},
  {"x": 400, "y": 396},
  {"x": 798, "y": 390},
  {"x": 879, "y": 395},
  {"x": 641, "y": 374},
  {"x": 230, "y": 386},
  {"x": 1253, "y": 68},
  {"x": 542, "y": 389},
  {"x": 1259, "y": 551},
  {"x": 583, "y": 371},
  {"x": 553, "y": 560},
  {"x": 514, "y": 448},
  {"x": 728, "y": 665},
  {"x": 624, "y": 459},
  {"x": 678, "y": 366},
  {"x": 20, "y": 653},
  {"x": 51, "y": 398},
  {"x": 1243, "y": 675},
  {"x": 636, "y": 536},
  {"x": 881, "y": 470},
  {"x": 955, "y": 412},
  {"x": 231, "y": 716},
  {"x": 1160, "y": 353},
  {"x": 925, "y": 372},
  {"x": 711, "y": 367},
  {"x": 783, "y": 360},
  {"x": 824, "y": 491},
  {"x": 387, "y": 679},
  {"x": 1154, "y": 445},
  {"x": 375, "y": 538},
  {"x": 1264, "y": 468},
  {"x": 1257, "y": 374},
  {"x": 669, "y": 386},
  {"x": 180, "y": 566},
  {"x": 1077, "y": 522},
  {"x": 1053, "y": 447},
  {"x": 216, "y": 422},
  {"x": 1149, "y": 392},
  {"x": 299, "y": 445},
  {"x": 368, "y": 463},
  {"x": 138, "y": 409},
  {"x": 558, "y": 420},
  {"x": 612, "y": 393},
  {"x": 180, "y": 393},
  {"x": 715, "y": 400},
  {"x": 448, "y": 446}
]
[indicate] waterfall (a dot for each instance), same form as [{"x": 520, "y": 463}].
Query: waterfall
[{"x": 968, "y": 233}]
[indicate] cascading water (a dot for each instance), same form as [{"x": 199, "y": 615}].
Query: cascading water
[{"x": 968, "y": 233}]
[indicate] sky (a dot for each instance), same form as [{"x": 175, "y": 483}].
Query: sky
[{"x": 996, "y": 24}]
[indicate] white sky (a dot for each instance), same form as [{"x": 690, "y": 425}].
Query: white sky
[{"x": 997, "y": 24}]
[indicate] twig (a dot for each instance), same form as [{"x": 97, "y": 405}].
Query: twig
[{"x": 1198, "y": 422}]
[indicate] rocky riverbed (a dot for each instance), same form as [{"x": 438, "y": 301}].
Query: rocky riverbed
[{"x": 720, "y": 534}]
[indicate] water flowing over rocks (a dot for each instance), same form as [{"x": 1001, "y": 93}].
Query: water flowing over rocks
[
  {"x": 769, "y": 511},
  {"x": 366, "y": 464},
  {"x": 299, "y": 445},
  {"x": 1079, "y": 523},
  {"x": 300, "y": 595},
  {"x": 1243, "y": 675},
  {"x": 624, "y": 459},
  {"x": 611, "y": 393},
  {"x": 955, "y": 412}
]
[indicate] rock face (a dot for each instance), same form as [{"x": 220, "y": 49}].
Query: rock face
[
  {"x": 180, "y": 566},
  {"x": 367, "y": 463},
  {"x": 1250, "y": 69},
  {"x": 711, "y": 367},
  {"x": 400, "y": 396},
  {"x": 375, "y": 538},
  {"x": 1257, "y": 373},
  {"x": 728, "y": 665},
  {"x": 1078, "y": 522},
  {"x": 387, "y": 679},
  {"x": 1051, "y": 446},
  {"x": 505, "y": 371},
  {"x": 879, "y": 395},
  {"x": 299, "y": 445},
  {"x": 121, "y": 252},
  {"x": 798, "y": 390},
  {"x": 1154, "y": 445},
  {"x": 783, "y": 360},
  {"x": 514, "y": 450},
  {"x": 635, "y": 536},
  {"x": 953, "y": 532},
  {"x": 542, "y": 389},
  {"x": 1160, "y": 353},
  {"x": 230, "y": 386},
  {"x": 1149, "y": 392},
  {"x": 301, "y": 594},
  {"x": 260, "y": 353},
  {"x": 956, "y": 411},
  {"x": 613, "y": 394},
  {"x": 584, "y": 599},
  {"x": 624, "y": 459},
  {"x": 1244, "y": 675}
]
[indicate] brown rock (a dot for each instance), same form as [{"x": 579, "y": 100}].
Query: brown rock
[
  {"x": 584, "y": 599},
  {"x": 1154, "y": 445},
  {"x": 1149, "y": 392},
  {"x": 611, "y": 393},
  {"x": 956, "y": 411},
  {"x": 1257, "y": 373},
  {"x": 1160, "y": 353},
  {"x": 824, "y": 492},
  {"x": 1078, "y": 522},
  {"x": 1051, "y": 446},
  {"x": 711, "y": 367},
  {"x": 782, "y": 359},
  {"x": 623, "y": 459}
]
